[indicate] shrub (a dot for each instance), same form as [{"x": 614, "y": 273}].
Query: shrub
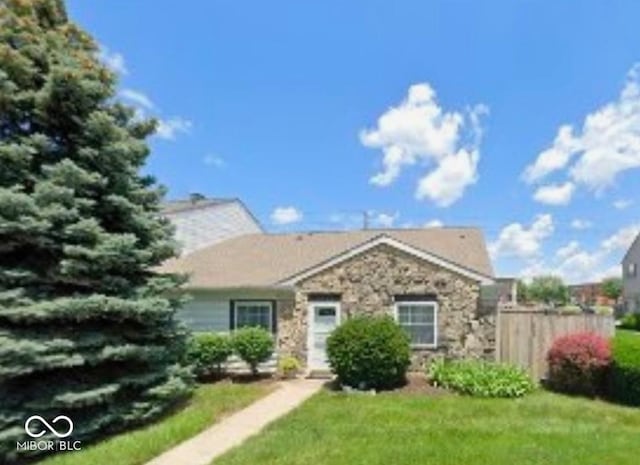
[
  {"x": 206, "y": 352},
  {"x": 369, "y": 353},
  {"x": 578, "y": 363},
  {"x": 288, "y": 366},
  {"x": 253, "y": 346},
  {"x": 480, "y": 379},
  {"x": 626, "y": 367},
  {"x": 631, "y": 321},
  {"x": 603, "y": 310}
]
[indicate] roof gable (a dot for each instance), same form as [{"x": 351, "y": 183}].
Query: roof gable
[{"x": 396, "y": 244}]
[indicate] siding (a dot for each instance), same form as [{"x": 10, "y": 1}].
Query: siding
[
  {"x": 205, "y": 226},
  {"x": 631, "y": 284}
]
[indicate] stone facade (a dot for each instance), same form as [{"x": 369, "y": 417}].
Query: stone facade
[{"x": 368, "y": 283}]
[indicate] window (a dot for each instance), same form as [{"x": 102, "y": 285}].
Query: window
[
  {"x": 632, "y": 270},
  {"x": 254, "y": 313},
  {"x": 419, "y": 320}
]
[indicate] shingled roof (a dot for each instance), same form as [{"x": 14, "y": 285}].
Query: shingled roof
[{"x": 265, "y": 260}]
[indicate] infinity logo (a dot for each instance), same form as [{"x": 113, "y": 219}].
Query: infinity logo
[{"x": 44, "y": 422}]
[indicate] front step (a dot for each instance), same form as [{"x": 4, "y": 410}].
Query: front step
[{"x": 320, "y": 374}]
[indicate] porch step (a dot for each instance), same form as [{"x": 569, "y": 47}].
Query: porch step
[{"x": 320, "y": 374}]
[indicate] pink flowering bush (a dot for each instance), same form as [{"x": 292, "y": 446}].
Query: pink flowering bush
[{"x": 578, "y": 363}]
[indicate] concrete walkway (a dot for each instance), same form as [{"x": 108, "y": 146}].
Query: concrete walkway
[{"x": 235, "y": 429}]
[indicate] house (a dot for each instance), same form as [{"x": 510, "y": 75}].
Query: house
[
  {"x": 503, "y": 292},
  {"x": 589, "y": 294},
  {"x": 200, "y": 222},
  {"x": 630, "y": 277},
  {"x": 300, "y": 286}
]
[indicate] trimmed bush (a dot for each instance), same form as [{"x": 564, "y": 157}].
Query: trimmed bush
[
  {"x": 626, "y": 368},
  {"x": 578, "y": 363},
  {"x": 631, "y": 321},
  {"x": 206, "y": 352},
  {"x": 369, "y": 353},
  {"x": 253, "y": 345},
  {"x": 480, "y": 378}
]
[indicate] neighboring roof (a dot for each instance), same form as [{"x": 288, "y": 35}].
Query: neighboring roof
[
  {"x": 264, "y": 260},
  {"x": 184, "y": 205}
]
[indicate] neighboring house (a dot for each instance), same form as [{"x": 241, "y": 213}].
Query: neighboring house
[
  {"x": 300, "y": 286},
  {"x": 504, "y": 291},
  {"x": 589, "y": 294},
  {"x": 201, "y": 222},
  {"x": 631, "y": 277}
]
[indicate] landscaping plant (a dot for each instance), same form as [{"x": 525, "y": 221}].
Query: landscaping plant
[
  {"x": 253, "y": 345},
  {"x": 631, "y": 321},
  {"x": 86, "y": 327},
  {"x": 369, "y": 352},
  {"x": 288, "y": 366},
  {"x": 625, "y": 370},
  {"x": 578, "y": 363},
  {"x": 480, "y": 378},
  {"x": 206, "y": 352}
]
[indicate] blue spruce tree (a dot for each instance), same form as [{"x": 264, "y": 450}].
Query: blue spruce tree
[{"x": 87, "y": 325}]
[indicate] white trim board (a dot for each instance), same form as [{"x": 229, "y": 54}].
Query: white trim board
[
  {"x": 391, "y": 242},
  {"x": 432, "y": 303}
]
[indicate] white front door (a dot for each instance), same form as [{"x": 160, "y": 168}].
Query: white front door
[{"x": 323, "y": 319}]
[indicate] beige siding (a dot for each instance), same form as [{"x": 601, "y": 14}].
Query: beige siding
[{"x": 209, "y": 225}]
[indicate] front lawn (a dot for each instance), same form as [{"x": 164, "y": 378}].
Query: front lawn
[
  {"x": 136, "y": 447},
  {"x": 542, "y": 428}
]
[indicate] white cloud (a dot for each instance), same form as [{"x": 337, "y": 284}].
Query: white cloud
[
  {"x": 113, "y": 60},
  {"x": 433, "y": 224},
  {"x": 385, "y": 220},
  {"x": 419, "y": 131},
  {"x": 555, "y": 194},
  {"x": 581, "y": 224},
  {"x": 621, "y": 204},
  {"x": 607, "y": 144},
  {"x": 446, "y": 184},
  {"x": 622, "y": 239},
  {"x": 213, "y": 160},
  {"x": 169, "y": 128},
  {"x": 138, "y": 98},
  {"x": 286, "y": 215},
  {"x": 554, "y": 158},
  {"x": 575, "y": 264},
  {"x": 516, "y": 240},
  {"x": 568, "y": 250}
]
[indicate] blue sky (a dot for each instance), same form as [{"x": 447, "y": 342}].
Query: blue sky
[{"x": 522, "y": 118}]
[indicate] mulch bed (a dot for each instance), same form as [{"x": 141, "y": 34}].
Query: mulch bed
[{"x": 417, "y": 384}]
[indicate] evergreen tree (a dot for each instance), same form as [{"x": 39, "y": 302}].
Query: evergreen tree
[{"x": 87, "y": 324}]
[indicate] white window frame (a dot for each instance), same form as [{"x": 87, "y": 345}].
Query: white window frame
[
  {"x": 240, "y": 303},
  {"x": 431, "y": 303},
  {"x": 632, "y": 270}
]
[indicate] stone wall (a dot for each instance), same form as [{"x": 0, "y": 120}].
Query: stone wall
[{"x": 368, "y": 283}]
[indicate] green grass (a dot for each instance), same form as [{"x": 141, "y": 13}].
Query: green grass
[
  {"x": 208, "y": 404},
  {"x": 542, "y": 428}
]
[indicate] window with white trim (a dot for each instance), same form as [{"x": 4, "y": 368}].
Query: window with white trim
[
  {"x": 419, "y": 320},
  {"x": 253, "y": 313}
]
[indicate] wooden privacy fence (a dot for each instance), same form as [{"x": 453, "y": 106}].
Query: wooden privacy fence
[{"x": 523, "y": 337}]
